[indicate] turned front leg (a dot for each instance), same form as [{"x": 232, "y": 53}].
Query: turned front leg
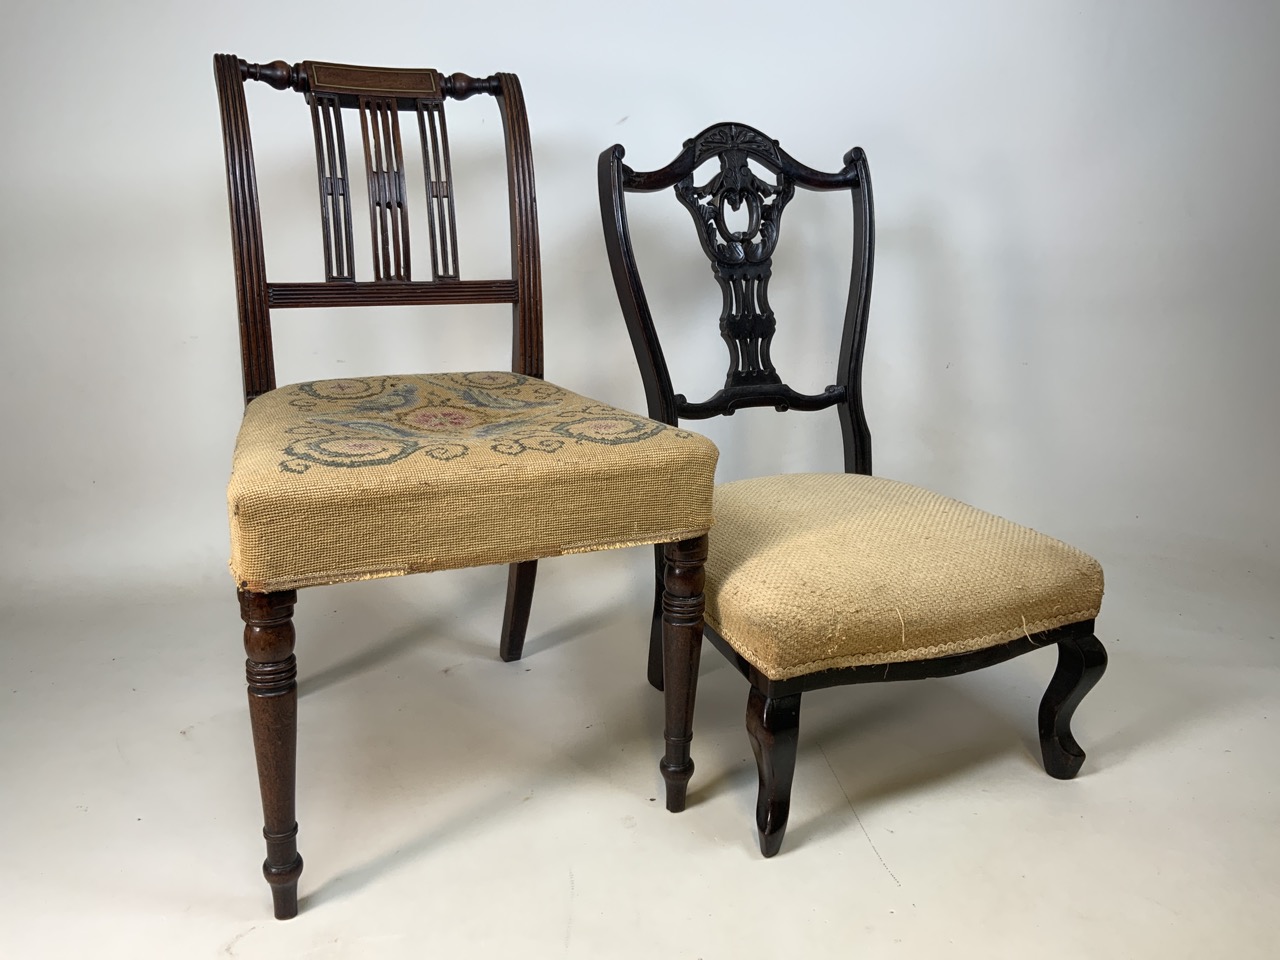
[
  {"x": 272, "y": 674},
  {"x": 682, "y": 605}
]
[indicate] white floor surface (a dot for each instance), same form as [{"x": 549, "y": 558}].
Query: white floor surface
[{"x": 452, "y": 805}]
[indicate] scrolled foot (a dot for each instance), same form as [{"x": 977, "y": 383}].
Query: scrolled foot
[
  {"x": 772, "y": 831},
  {"x": 773, "y": 726},
  {"x": 1081, "y": 662}
]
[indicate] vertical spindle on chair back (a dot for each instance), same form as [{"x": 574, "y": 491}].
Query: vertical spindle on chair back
[{"x": 381, "y": 97}]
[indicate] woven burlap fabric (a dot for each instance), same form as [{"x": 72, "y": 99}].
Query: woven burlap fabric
[
  {"x": 809, "y": 572},
  {"x": 341, "y": 480}
]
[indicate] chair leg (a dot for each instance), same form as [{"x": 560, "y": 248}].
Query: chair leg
[
  {"x": 655, "y": 626},
  {"x": 515, "y": 621},
  {"x": 773, "y": 724},
  {"x": 1081, "y": 663},
  {"x": 682, "y": 605},
  {"x": 655, "y": 643},
  {"x": 272, "y": 673}
]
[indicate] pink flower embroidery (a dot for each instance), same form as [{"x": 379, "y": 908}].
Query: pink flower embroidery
[{"x": 438, "y": 418}]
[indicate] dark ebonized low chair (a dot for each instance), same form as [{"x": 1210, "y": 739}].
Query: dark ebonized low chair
[
  {"x": 814, "y": 580},
  {"x": 341, "y": 480}
]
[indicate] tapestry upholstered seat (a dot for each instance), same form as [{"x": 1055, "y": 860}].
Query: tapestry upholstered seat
[
  {"x": 342, "y": 480},
  {"x": 815, "y": 580}
]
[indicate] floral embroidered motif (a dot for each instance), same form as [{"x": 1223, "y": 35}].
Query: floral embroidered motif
[
  {"x": 343, "y": 389},
  {"x": 610, "y": 429},
  {"x": 375, "y": 421},
  {"x": 345, "y": 452},
  {"x": 436, "y": 419}
]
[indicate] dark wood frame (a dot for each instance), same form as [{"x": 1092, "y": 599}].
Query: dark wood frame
[
  {"x": 773, "y": 706},
  {"x": 380, "y": 95}
]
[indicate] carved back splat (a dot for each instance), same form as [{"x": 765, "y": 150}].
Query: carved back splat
[
  {"x": 742, "y": 263},
  {"x": 380, "y": 96},
  {"x": 742, "y": 260}
]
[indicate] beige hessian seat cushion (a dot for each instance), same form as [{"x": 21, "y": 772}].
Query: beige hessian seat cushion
[
  {"x": 343, "y": 480},
  {"x": 808, "y": 572}
]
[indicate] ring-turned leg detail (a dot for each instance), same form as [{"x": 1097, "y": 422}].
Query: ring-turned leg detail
[
  {"x": 272, "y": 674},
  {"x": 773, "y": 724},
  {"x": 1081, "y": 663},
  {"x": 682, "y": 606}
]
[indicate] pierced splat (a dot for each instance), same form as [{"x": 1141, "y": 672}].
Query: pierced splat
[
  {"x": 439, "y": 173},
  {"x": 741, "y": 260},
  {"x": 388, "y": 209},
  {"x": 381, "y": 96},
  {"x": 335, "y": 187},
  {"x": 741, "y": 256}
]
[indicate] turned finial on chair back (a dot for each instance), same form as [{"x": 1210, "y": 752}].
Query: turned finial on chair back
[
  {"x": 402, "y": 274},
  {"x": 742, "y": 262}
]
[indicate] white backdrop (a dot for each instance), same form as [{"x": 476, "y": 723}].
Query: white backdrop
[{"x": 1073, "y": 322}]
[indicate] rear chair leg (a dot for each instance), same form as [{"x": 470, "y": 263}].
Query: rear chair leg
[
  {"x": 272, "y": 673},
  {"x": 1081, "y": 663},
  {"x": 655, "y": 626},
  {"x": 515, "y": 621},
  {"x": 682, "y": 605},
  {"x": 773, "y": 724}
]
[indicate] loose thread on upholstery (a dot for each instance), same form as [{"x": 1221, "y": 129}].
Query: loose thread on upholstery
[{"x": 903, "y": 624}]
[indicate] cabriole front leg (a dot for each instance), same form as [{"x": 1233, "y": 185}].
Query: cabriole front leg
[
  {"x": 773, "y": 725},
  {"x": 682, "y": 606},
  {"x": 1081, "y": 663},
  {"x": 272, "y": 674}
]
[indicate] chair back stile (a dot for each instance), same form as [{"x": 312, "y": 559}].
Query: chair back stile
[
  {"x": 741, "y": 261},
  {"x": 380, "y": 96}
]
